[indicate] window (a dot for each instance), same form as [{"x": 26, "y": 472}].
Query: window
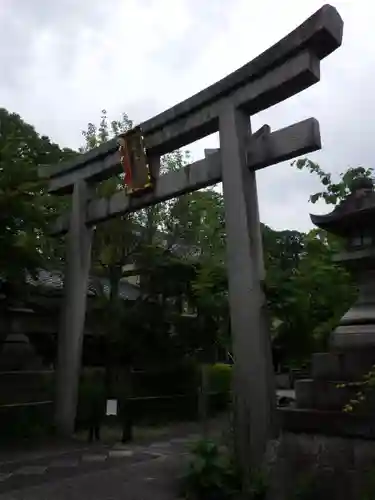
[{"x": 361, "y": 240}]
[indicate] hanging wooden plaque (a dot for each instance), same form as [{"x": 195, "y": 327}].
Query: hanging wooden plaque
[{"x": 133, "y": 157}]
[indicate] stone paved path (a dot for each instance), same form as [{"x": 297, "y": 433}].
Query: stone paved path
[{"x": 98, "y": 472}]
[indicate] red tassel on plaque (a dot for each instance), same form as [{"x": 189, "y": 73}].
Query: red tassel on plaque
[{"x": 133, "y": 158}]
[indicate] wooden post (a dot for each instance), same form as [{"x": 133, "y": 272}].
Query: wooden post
[
  {"x": 70, "y": 339},
  {"x": 254, "y": 394},
  {"x": 203, "y": 398}
]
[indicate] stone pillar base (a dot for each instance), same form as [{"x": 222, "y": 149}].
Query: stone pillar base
[
  {"x": 321, "y": 395},
  {"x": 353, "y": 337},
  {"x": 342, "y": 365},
  {"x": 329, "y": 423}
]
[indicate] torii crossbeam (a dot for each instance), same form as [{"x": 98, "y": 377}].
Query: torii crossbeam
[{"x": 288, "y": 67}]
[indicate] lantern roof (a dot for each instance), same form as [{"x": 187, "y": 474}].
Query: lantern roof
[{"x": 356, "y": 212}]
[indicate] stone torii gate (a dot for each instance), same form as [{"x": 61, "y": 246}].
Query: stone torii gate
[{"x": 288, "y": 67}]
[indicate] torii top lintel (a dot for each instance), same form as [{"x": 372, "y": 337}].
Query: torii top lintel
[{"x": 288, "y": 67}]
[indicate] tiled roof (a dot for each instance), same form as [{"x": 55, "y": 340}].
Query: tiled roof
[{"x": 55, "y": 280}]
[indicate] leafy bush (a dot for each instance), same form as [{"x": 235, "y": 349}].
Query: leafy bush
[
  {"x": 368, "y": 485},
  {"x": 213, "y": 475},
  {"x": 26, "y": 422},
  {"x": 365, "y": 388},
  {"x": 220, "y": 378}
]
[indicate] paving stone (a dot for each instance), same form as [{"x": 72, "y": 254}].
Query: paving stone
[
  {"x": 64, "y": 463},
  {"x": 166, "y": 444},
  {"x": 122, "y": 446},
  {"x": 180, "y": 440},
  {"x": 155, "y": 454},
  {"x": 120, "y": 453},
  {"x": 5, "y": 475},
  {"x": 94, "y": 458},
  {"x": 32, "y": 470},
  {"x": 194, "y": 437}
]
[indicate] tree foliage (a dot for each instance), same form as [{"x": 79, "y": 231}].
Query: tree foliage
[
  {"x": 333, "y": 192},
  {"x": 178, "y": 250},
  {"x": 120, "y": 241},
  {"x": 25, "y": 207},
  {"x": 153, "y": 244},
  {"x": 309, "y": 296}
]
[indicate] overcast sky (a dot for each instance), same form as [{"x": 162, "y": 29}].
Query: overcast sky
[{"x": 63, "y": 61}]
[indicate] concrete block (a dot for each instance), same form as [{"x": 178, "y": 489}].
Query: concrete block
[
  {"x": 283, "y": 381},
  {"x": 356, "y": 363},
  {"x": 304, "y": 393},
  {"x": 354, "y": 337},
  {"x": 328, "y": 423},
  {"x": 326, "y": 366},
  {"x": 345, "y": 365},
  {"x": 314, "y": 466},
  {"x": 322, "y": 394},
  {"x": 364, "y": 455}
]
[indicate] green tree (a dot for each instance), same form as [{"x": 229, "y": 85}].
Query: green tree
[
  {"x": 25, "y": 207},
  {"x": 177, "y": 250},
  {"x": 307, "y": 292},
  {"x": 333, "y": 192},
  {"x": 200, "y": 217},
  {"x": 138, "y": 245},
  {"x": 119, "y": 242},
  {"x": 307, "y": 298}
]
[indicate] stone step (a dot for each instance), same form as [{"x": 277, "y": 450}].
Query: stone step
[
  {"x": 352, "y": 365},
  {"x": 325, "y": 395},
  {"x": 332, "y": 423}
]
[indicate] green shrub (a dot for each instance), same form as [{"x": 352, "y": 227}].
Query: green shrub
[
  {"x": 220, "y": 378},
  {"x": 25, "y": 422},
  {"x": 368, "y": 485},
  {"x": 212, "y": 475}
]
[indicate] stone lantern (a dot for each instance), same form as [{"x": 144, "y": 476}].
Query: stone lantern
[
  {"x": 321, "y": 398},
  {"x": 354, "y": 220}
]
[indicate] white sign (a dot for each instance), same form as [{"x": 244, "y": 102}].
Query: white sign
[{"x": 111, "y": 407}]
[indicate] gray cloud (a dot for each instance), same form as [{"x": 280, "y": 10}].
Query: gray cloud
[
  {"x": 64, "y": 61},
  {"x": 23, "y": 23},
  {"x": 208, "y": 23}
]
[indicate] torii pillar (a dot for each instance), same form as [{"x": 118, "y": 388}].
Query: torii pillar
[{"x": 73, "y": 312}]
